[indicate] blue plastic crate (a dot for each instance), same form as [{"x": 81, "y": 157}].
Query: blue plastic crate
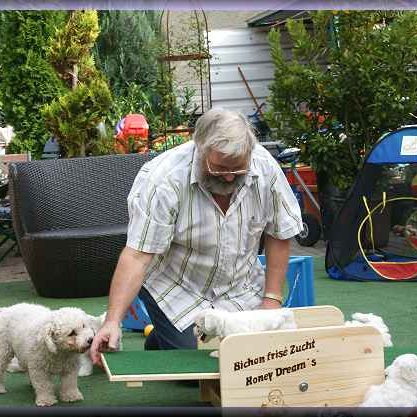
[
  {"x": 137, "y": 317},
  {"x": 300, "y": 281}
]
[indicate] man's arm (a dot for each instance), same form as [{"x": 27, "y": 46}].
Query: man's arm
[
  {"x": 126, "y": 283},
  {"x": 277, "y": 253}
]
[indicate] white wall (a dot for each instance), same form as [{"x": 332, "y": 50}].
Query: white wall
[{"x": 249, "y": 49}]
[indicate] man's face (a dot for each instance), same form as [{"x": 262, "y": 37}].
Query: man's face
[{"x": 221, "y": 174}]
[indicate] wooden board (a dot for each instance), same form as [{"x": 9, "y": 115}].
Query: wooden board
[{"x": 319, "y": 366}]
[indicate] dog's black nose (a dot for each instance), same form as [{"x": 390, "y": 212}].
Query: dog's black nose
[{"x": 89, "y": 341}]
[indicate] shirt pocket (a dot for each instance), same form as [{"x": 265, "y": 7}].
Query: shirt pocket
[{"x": 253, "y": 235}]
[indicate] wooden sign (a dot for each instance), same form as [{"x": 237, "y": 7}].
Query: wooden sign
[{"x": 318, "y": 366}]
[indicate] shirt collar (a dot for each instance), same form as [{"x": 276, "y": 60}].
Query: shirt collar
[{"x": 253, "y": 171}]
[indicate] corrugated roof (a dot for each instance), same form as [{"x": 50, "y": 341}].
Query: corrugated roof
[{"x": 270, "y": 18}]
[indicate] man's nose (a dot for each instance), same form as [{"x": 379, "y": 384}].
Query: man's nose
[{"x": 229, "y": 177}]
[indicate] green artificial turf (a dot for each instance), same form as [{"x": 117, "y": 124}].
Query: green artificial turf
[
  {"x": 395, "y": 302},
  {"x": 162, "y": 362}
]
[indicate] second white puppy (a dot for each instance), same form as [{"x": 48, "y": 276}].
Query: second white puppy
[
  {"x": 400, "y": 386},
  {"x": 211, "y": 323}
]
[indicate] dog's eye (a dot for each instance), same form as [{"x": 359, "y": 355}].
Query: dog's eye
[{"x": 73, "y": 333}]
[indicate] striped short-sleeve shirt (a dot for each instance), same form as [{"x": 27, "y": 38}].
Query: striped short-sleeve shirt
[{"x": 205, "y": 258}]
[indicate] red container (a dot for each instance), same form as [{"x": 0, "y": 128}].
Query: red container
[{"x": 305, "y": 172}]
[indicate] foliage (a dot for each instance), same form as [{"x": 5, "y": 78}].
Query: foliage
[
  {"x": 27, "y": 81},
  {"x": 349, "y": 81},
  {"x": 137, "y": 100},
  {"x": 187, "y": 36},
  {"x": 72, "y": 44},
  {"x": 185, "y": 39},
  {"x": 74, "y": 117},
  {"x": 127, "y": 49}
]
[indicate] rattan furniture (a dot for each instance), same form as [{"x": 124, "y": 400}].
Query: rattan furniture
[{"x": 70, "y": 218}]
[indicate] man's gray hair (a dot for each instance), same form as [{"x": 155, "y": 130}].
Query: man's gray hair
[{"x": 225, "y": 131}]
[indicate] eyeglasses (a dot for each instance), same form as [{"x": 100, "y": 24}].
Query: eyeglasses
[{"x": 219, "y": 173}]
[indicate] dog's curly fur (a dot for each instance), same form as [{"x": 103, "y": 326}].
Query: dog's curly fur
[
  {"x": 400, "y": 386},
  {"x": 210, "y": 323},
  {"x": 370, "y": 319},
  {"x": 46, "y": 343},
  {"x": 86, "y": 365}
]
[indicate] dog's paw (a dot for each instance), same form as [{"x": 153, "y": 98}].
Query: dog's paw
[
  {"x": 3, "y": 389},
  {"x": 85, "y": 371},
  {"x": 45, "y": 401},
  {"x": 71, "y": 396},
  {"x": 14, "y": 366}
]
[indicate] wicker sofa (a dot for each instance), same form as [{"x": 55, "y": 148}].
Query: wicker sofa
[{"x": 70, "y": 218}]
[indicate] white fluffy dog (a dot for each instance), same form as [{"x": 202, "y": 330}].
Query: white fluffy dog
[
  {"x": 360, "y": 319},
  {"x": 46, "y": 343},
  {"x": 400, "y": 386},
  {"x": 211, "y": 323},
  {"x": 86, "y": 365}
]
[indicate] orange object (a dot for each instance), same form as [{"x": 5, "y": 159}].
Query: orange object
[
  {"x": 320, "y": 118},
  {"x": 132, "y": 134},
  {"x": 306, "y": 173},
  {"x": 309, "y": 176}
]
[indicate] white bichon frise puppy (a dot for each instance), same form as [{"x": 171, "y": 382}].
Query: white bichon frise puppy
[
  {"x": 400, "y": 386},
  {"x": 46, "y": 343},
  {"x": 370, "y": 319},
  {"x": 211, "y": 323},
  {"x": 85, "y": 363}
]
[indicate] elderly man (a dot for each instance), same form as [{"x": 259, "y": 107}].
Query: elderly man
[{"x": 197, "y": 213}]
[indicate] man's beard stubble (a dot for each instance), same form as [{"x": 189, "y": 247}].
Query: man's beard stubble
[{"x": 217, "y": 185}]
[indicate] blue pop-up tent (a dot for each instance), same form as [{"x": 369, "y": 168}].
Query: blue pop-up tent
[{"x": 374, "y": 236}]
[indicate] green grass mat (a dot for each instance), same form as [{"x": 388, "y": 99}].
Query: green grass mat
[
  {"x": 391, "y": 353},
  {"x": 395, "y": 302},
  {"x": 161, "y": 362}
]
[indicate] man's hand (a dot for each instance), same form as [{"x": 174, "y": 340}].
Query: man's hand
[
  {"x": 106, "y": 339},
  {"x": 268, "y": 303}
]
